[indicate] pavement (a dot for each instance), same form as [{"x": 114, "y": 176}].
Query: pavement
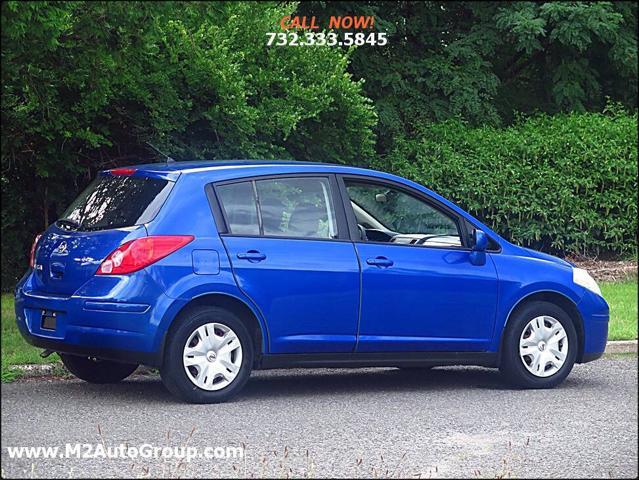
[
  {"x": 622, "y": 346},
  {"x": 382, "y": 423}
]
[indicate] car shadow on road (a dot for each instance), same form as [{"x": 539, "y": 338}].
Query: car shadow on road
[
  {"x": 315, "y": 382},
  {"x": 332, "y": 382},
  {"x": 369, "y": 380},
  {"x": 355, "y": 381}
]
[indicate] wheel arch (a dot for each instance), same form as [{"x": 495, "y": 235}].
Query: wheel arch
[
  {"x": 237, "y": 306},
  {"x": 559, "y": 299}
]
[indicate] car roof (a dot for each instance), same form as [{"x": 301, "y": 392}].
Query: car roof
[
  {"x": 239, "y": 168},
  {"x": 200, "y": 165}
]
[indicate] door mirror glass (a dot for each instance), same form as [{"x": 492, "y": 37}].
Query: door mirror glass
[{"x": 481, "y": 241}]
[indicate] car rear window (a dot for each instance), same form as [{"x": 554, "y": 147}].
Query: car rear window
[{"x": 115, "y": 202}]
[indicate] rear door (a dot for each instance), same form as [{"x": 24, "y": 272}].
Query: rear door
[
  {"x": 111, "y": 210},
  {"x": 287, "y": 241}
]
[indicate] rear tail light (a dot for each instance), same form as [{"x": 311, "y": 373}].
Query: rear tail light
[
  {"x": 138, "y": 254},
  {"x": 33, "y": 250}
]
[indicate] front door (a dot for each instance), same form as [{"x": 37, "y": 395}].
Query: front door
[
  {"x": 419, "y": 290},
  {"x": 290, "y": 254}
]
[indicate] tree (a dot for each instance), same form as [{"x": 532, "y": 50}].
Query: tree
[
  {"x": 485, "y": 61},
  {"x": 86, "y": 84}
]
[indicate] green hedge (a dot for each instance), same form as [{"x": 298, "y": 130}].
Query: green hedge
[{"x": 565, "y": 183}]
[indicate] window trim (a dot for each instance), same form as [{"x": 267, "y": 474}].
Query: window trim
[
  {"x": 354, "y": 231},
  {"x": 220, "y": 215},
  {"x": 491, "y": 239}
]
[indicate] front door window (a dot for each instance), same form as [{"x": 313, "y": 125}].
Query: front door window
[{"x": 388, "y": 214}]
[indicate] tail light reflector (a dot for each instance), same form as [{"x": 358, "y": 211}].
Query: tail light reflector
[
  {"x": 34, "y": 245},
  {"x": 140, "y": 253}
]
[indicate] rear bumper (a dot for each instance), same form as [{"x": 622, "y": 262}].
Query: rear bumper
[
  {"x": 153, "y": 359},
  {"x": 127, "y": 331}
]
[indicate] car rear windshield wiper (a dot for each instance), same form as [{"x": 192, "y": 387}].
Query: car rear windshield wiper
[{"x": 74, "y": 224}]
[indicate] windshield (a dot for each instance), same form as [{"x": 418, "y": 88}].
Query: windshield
[{"x": 116, "y": 202}]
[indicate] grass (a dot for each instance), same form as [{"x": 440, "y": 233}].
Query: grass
[
  {"x": 15, "y": 351},
  {"x": 622, "y": 297}
]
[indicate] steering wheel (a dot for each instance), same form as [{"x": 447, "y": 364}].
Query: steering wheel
[{"x": 362, "y": 232}]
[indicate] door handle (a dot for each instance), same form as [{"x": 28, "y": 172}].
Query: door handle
[
  {"x": 380, "y": 262},
  {"x": 252, "y": 256}
]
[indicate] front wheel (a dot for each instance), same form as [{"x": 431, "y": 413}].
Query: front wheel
[
  {"x": 540, "y": 346},
  {"x": 94, "y": 370},
  {"x": 209, "y": 356}
]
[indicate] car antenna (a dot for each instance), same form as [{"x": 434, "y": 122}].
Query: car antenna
[{"x": 168, "y": 159}]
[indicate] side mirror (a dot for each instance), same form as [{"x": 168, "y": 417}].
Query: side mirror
[
  {"x": 478, "y": 253},
  {"x": 381, "y": 198},
  {"x": 481, "y": 241}
]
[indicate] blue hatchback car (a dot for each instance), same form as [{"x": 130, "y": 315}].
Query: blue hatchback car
[{"x": 208, "y": 270}]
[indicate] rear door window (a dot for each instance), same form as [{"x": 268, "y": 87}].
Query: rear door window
[
  {"x": 115, "y": 202},
  {"x": 240, "y": 208},
  {"x": 281, "y": 207},
  {"x": 297, "y": 207}
]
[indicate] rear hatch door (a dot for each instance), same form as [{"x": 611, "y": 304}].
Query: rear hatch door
[{"x": 112, "y": 210}]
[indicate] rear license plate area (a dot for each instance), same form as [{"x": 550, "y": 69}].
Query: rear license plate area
[{"x": 49, "y": 320}]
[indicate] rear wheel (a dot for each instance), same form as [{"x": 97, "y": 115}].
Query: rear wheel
[
  {"x": 540, "y": 346},
  {"x": 94, "y": 370},
  {"x": 208, "y": 357}
]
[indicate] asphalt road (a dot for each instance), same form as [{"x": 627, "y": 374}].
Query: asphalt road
[{"x": 369, "y": 422}]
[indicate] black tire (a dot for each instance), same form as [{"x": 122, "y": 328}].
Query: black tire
[
  {"x": 512, "y": 365},
  {"x": 173, "y": 372},
  {"x": 95, "y": 370}
]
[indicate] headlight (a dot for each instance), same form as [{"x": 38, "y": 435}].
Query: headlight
[{"x": 583, "y": 278}]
